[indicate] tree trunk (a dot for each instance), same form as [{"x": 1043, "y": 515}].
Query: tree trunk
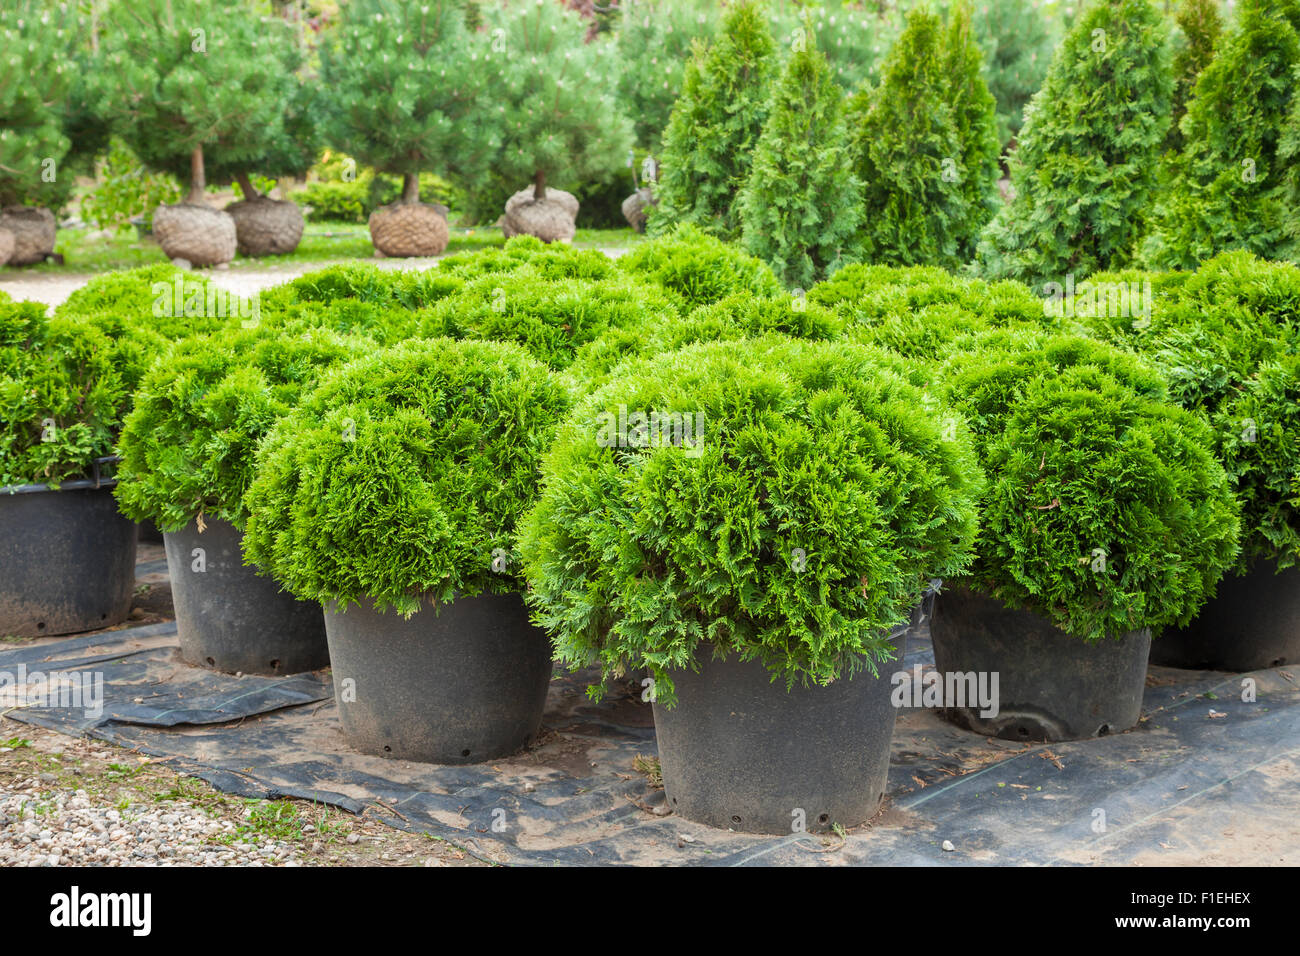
[
  {"x": 198, "y": 178},
  {"x": 247, "y": 188},
  {"x": 411, "y": 188},
  {"x": 539, "y": 185}
]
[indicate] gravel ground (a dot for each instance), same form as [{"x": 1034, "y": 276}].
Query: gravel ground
[{"x": 68, "y": 801}]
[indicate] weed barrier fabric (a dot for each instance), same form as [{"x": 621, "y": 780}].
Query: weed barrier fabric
[{"x": 1185, "y": 783}]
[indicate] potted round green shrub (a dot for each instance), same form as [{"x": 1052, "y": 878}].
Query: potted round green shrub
[
  {"x": 391, "y": 495},
  {"x": 188, "y": 449},
  {"x": 67, "y": 558},
  {"x": 754, "y": 522},
  {"x": 1226, "y": 337},
  {"x": 1106, "y": 518}
]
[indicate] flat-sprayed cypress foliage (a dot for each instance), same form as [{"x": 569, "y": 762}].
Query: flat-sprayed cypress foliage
[
  {"x": 1226, "y": 189},
  {"x": 799, "y": 209},
  {"x": 1199, "y": 28},
  {"x": 1084, "y": 170},
  {"x": 715, "y": 125}
]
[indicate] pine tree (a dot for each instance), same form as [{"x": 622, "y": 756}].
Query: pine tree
[
  {"x": 715, "y": 125},
  {"x": 1227, "y": 188},
  {"x": 974, "y": 111},
  {"x": 1199, "y": 27},
  {"x": 654, "y": 44},
  {"x": 799, "y": 209},
  {"x": 405, "y": 85},
  {"x": 555, "y": 117},
  {"x": 908, "y": 155},
  {"x": 1083, "y": 172},
  {"x": 37, "y": 80},
  {"x": 182, "y": 76}
]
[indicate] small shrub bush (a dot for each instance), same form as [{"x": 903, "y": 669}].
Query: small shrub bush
[
  {"x": 189, "y": 442},
  {"x": 699, "y": 268},
  {"x": 403, "y": 475},
  {"x": 62, "y": 396},
  {"x": 803, "y": 521},
  {"x": 1106, "y": 511},
  {"x": 549, "y": 260}
]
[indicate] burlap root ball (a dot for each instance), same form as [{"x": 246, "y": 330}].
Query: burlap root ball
[
  {"x": 553, "y": 219},
  {"x": 33, "y": 229},
  {"x": 405, "y": 230},
  {"x": 266, "y": 226},
  {"x": 200, "y": 235},
  {"x": 635, "y": 206},
  {"x": 6, "y": 246}
]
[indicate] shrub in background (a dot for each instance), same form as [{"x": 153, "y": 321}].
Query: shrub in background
[
  {"x": 400, "y": 475},
  {"x": 654, "y": 554},
  {"x": 1226, "y": 189},
  {"x": 799, "y": 209},
  {"x": 1199, "y": 28},
  {"x": 654, "y": 40},
  {"x": 715, "y": 125},
  {"x": 974, "y": 111},
  {"x": 1084, "y": 170},
  {"x": 698, "y": 268},
  {"x": 1017, "y": 37}
]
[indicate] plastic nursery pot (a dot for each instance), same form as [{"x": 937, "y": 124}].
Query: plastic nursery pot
[
  {"x": 460, "y": 684},
  {"x": 740, "y": 752},
  {"x": 1051, "y": 685},
  {"x": 67, "y": 559},
  {"x": 232, "y": 619},
  {"x": 149, "y": 533},
  {"x": 1253, "y": 622}
]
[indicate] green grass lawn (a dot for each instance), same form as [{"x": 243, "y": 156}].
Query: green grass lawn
[{"x": 84, "y": 251}]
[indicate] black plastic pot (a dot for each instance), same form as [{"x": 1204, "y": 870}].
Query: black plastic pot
[
  {"x": 1051, "y": 685},
  {"x": 1253, "y": 622},
  {"x": 149, "y": 533},
  {"x": 462, "y": 684},
  {"x": 67, "y": 559},
  {"x": 739, "y": 752},
  {"x": 229, "y": 617}
]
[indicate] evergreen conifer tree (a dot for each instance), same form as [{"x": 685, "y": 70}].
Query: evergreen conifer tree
[
  {"x": 800, "y": 208},
  {"x": 715, "y": 125},
  {"x": 908, "y": 155},
  {"x": 974, "y": 111},
  {"x": 1199, "y": 27},
  {"x": 1226, "y": 189},
  {"x": 654, "y": 45},
  {"x": 1084, "y": 170}
]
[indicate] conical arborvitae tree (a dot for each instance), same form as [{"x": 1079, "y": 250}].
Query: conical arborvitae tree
[
  {"x": 1017, "y": 38},
  {"x": 1199, "y": 25},
  {"x": 1084, "y": 171},
  {"x": 907, "y": 155},
  {"x": 974, "y": 111},
  {"x": 715, "y": 125},
  {"x": 799, "y": 210},
  {"x": 1226, "y": 189}
]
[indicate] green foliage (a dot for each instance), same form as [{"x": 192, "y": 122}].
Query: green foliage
[
  {"x": 1199, "y": 27},
  {"x": 1017, "y": 37},
  {"x": 126, "y": 189},
  {"x": 796, "y": 526},
  {"x": 799, "y": 208},
  {"x": 698, "y": 267},
  {"x": 407, "y": 89},
  {"x": 61, "y": 396},
  {"x": 854, "y": 36},
  {"x": 1083, "y": 173},
  {"x": 401, "y": 475},
  {"x": 974, "y": 113},
  {"x": 912, "y": 138},
  {"x": 740, "y": 315},
  {"x": 207, "y": 72},
  {"x": 1226, "y": 189},
  {"x": 654, "y": 43},
  {"x": 188, "y": 444},
  {"x": 715, "y": 125},
  {"x": 34, "y": 47},
  {"x": 551, "y": 260},
  {"x": 1259, "y": 444},
  {"x": 559, "y": 122},
  {"x": 1106, "y": 510},
  {"x": 552, "y": 319},
  {"x": 340, "y": 200}
]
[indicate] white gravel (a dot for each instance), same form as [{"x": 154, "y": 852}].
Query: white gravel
[{"x": 40, "y": 826}]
